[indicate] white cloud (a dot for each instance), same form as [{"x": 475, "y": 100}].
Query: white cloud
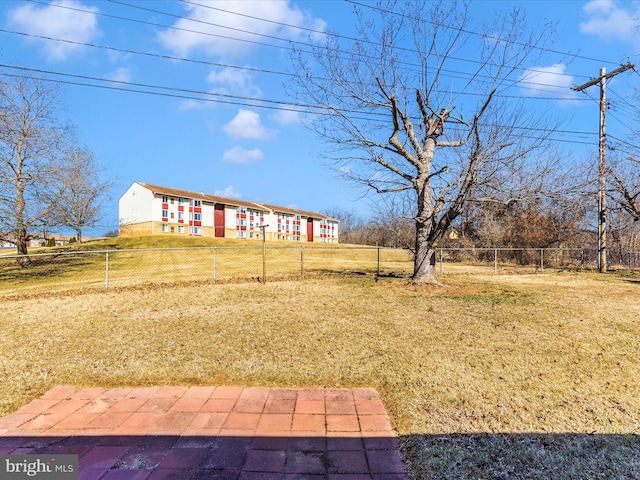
[
  {"x": 61, "y": 20},
  {"x": 241, "y": 156},
  {"x": 608, "y": 21},
  {"x": 234, "y": 81},
  {"x": 228, "y": 28},
  {"x": 537, "y": 81},
  {"x": 227, "y": 81},
  {"x": 228, "y": 192},
  {"x": 287, "y": 117},
  {"x": 120, "y": 75},
  {"x": 247, "y": 124}
]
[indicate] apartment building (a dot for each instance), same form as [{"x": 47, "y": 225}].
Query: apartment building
[{"x": 146, "y": 209}]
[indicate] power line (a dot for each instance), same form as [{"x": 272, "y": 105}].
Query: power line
[
  {"x": 246, "y": 68},
  {"x": 340, "y": 36},
  {"x": 148, "y": 54},
  {"x": 288, "y": 41},
  {"x": 217, "y": 97},
  {"x": 229, "y": 99},
  {"x": 469, "y": 32}
]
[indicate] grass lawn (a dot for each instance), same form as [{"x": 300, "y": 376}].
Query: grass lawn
[{"x": 521, "y": 376}]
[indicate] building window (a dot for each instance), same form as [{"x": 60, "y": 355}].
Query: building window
[
  {"x": 197, "y": 231},
  {"x": 165, "y": 213},
  {"x": 165, "y": 199},
  {"x": 171, "y": 214},
  {"x": 173, "y": 229},
  {"x": 180, "y": 201},
  {"x": 180, "y": 229},
  {"x": 197, "y": 203},
  {"x": 197, "y": 216},
  {"x": 165, "y": 227},
  {"x": 180, "y": 215}
]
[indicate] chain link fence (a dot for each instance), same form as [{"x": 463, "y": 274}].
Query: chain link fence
[
  {"x": 65, "y": 270},
  {"x": 122, "y": 268},
  {"x": 531, "y": 259}
]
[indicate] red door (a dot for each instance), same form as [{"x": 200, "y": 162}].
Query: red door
[
  {"x": 218, "y": 220},
  {"x": 309, "y": 229}
]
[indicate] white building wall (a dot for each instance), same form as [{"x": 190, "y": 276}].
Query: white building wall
[
  {"x": 136, "y": 205},
  {"x": 230, "y": 217},
  {"x": 207, "y": 214}
]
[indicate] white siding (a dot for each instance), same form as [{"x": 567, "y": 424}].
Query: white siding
[{"x": 137, "y": 206}]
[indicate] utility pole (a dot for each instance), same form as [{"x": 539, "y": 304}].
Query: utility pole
[{"x": 602, "y": 144}]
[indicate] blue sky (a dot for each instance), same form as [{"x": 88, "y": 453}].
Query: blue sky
[{"x": 231, "y": 146}]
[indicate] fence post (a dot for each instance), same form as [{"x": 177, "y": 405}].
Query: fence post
[
  {"x": 214, "y": 264},
  {"x": 378, "y": 262},
  {"x": 106, "y": 275},
  {"x": 542, "y": 259},
  {"x": 495, "y": 260},
  {"x": 264, "y": 262},
  {"x": 301, "y": 261},
  {"x": 441, "y": 261},
  {"x": 582, "y": 258}
]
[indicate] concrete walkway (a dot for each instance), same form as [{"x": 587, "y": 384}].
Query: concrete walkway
[{"x": 210, "y": 433}]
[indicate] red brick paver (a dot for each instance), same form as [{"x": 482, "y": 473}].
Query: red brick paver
[{"x": 210, "y": 432}]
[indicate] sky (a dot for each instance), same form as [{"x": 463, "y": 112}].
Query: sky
[{"x": 151, "y": 63}]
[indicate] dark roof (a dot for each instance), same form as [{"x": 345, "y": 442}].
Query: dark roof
[{"x": 176, "y": 192}]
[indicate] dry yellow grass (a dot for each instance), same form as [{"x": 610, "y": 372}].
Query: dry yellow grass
[
  {"x": 524, "y": 376},
  {"x": 147, "y": 260}
]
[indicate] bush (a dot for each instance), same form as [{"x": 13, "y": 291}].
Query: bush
[
  {"x": 73, "y": 240},
  {"x": 51, "y": 242}
]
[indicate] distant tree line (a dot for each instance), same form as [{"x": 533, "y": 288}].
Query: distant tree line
[{"x": 568, "y": 222}]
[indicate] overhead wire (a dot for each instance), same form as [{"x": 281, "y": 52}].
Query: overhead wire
[
  {"x": 470, "y": 32},
  {"x": 231, "y": 66},
  {"x": 284, "y": 40},
  {"x": 231, "y": 99}
]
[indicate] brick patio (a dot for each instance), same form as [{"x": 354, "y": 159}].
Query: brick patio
[{"x": 210, "y": 433}]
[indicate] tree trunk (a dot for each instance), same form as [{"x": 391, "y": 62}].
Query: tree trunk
[
  {"x": 424, "y": 263},
  {"x": 78, "y": 235},
  {"x": 21, "y": 229},
  {"x": 21, "y": 246}
]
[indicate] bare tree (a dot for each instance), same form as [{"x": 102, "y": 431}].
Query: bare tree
[
  {"x": 32, "y": 141},
  {"x": 393, "y": 222},
  {"x": 389, "y": 98},
  {"x": 86, "y": 186},
  {"x": 624, "y": 187}
]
